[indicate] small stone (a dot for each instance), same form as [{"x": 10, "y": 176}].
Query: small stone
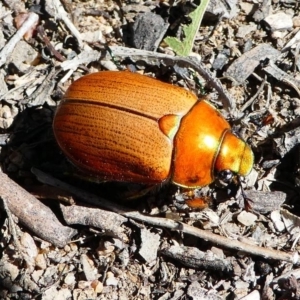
[
  {"x": 40, "y": 261},
  {"x": 246, "y": 7},
  {"x": 22, "y": 56},
  {"x": 50, "y": 293},
  {"x": 70, "y": 279},
  {"x": 36, "y": 275},
  {"x": 241, "y": 284},
  {"x": 111, "y": 279},
  {"x": 97, "y": 286},
  {"x": 87, "y": 293},
  {"x": 296, "y": 21},
  {"x": 88, "y": 267},
  {"x": 93, "y": 37},
  {"x": 105, "y": 249},
  {"x": 277, "y": 35},
  {"x": 196, "y": 292},
  {"x": 277, "y": 221},
  {"x": 124, "y": 257},
  {"x": 149, "y": 245},
  {"x": 247, "y": 218},
  {"x": 246, "y": 29},
  {"x": 148, "y": 31},
  {"x": 5, "y": 112},
  {"x": 10, "y": 270},
  {"x": 220, "y": 61},
  {"x": 64, "y": 293},
  {"x": 82, "y": 284},
  {"x": 279, "y": 21},
  {"x": 30, "y": 248}
]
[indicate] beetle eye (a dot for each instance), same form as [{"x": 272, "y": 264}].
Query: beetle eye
[{"x": 225, "y": 176}]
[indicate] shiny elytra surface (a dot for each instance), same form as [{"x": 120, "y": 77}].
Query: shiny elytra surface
[
  {"x": 123, "y": 126},
  {"x": 120, "y": 125}
]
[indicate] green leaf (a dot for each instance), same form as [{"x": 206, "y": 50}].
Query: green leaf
[{"x": 184, "y": 47}]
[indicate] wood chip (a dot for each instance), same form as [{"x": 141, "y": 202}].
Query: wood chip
[
  {"x": 287, "y": 141},
  {"x": 263, "y": 202},
  {"x": 245, "y": 65},
  {"x": 191, "y": 256},
  {"x": 149, "y": 245},
  {"x": 108, "y": 221},
  {"x": 33, "y": 214}
]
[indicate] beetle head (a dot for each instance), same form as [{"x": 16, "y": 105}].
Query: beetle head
[{"x": 234, "y": 156}]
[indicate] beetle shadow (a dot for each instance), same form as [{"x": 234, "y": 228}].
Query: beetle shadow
[
  {"x": 32, "y": 144},
  {"x": 286, "y": 169},
  {"x": 287, "y": 179}
]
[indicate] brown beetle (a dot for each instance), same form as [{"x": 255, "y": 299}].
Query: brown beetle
[{"x": 122, "y": 126}]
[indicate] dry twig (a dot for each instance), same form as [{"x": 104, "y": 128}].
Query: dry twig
[
  {"x": 183, "y": 62},
  {"x": 170, "y": 224},
  {"x": 60, "y": 13},
  {"x": 33, "y": 214},
  {"x": 8, "y": 48}
]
